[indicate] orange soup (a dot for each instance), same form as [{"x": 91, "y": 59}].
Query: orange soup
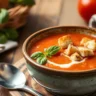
[{"x": 60, "y": 60}]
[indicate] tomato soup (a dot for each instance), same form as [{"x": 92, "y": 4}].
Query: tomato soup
[{"x": 59, "y": 59}]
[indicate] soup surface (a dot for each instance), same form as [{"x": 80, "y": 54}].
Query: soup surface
[{"x": 60, "y": 60}]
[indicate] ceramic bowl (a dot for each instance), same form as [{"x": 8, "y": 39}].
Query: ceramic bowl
[{"x": 56, "y": 81}]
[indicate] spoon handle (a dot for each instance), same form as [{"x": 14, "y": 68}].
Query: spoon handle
[{"x": 32, "y": 91}]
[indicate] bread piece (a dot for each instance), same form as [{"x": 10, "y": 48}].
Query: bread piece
[
  {"x": 85, "y": 52},
  {"x": 70, "y": 50},
  {"x": 91, "y": 45},
  {"x": 76, "y": 57},
  {"x": 84, "y": 40},
  {"x": 64, "y": 41}
]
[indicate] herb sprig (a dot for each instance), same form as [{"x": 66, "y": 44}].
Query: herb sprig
[
  {"x": 41, "y": 57},
  {"x": 51, "y": 51},
  {"x": 8, "y": 34}
]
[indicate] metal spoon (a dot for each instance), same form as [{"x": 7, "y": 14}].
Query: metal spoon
[{"x": 12, "y": 78}]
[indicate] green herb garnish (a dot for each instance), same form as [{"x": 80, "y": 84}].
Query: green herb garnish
[
  {"x": 4, "y": 16},
  {"x": 42, "y": 60},
  {"x": 51, "y": 50},
  {"x": 41, "y": 57},
  {"x": 37, "y": 55}
]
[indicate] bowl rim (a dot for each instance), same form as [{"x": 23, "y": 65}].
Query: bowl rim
[{"x": 27, "y": 57}]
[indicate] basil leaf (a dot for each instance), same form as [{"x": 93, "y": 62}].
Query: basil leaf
[
  {"x": 42, "y": 60},
  {"x": 11, "y": 34},
  {"x": 3, "y": 38},
  {"x": 4, "y": 16},
  {"x": 51, "y": 50},
  {"x": 41, "y": 57},
  {"x": 36, "y": 55}
]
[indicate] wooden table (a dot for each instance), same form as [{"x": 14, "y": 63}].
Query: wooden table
[{"x": 44, "y": 14}]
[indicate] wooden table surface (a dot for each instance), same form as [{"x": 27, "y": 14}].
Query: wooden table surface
[{"x": 44, "y": 14}]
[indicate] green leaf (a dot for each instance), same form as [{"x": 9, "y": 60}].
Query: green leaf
[
  {"x": 51, "y": 50},
  {"x": 26, "y": 2},
  {"x": 12, "y": 1},
  {"x": 11, "y": 34},
  {"x": 42, "y": 60},
  {"x": 3, "y": 38},
  {"x": 23, "y": 2},
  {"x": 4, "y": 16},
  {"x": 37, "y": 55}
]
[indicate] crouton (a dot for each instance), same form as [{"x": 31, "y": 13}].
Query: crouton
[
  {"x": 64, "y": 41},
  {"x": 76, "y": 57},
  {"x": 84, "y": 40},
  {"x": 91, "y": 45},
  {"x": 84, "y": 52},
  {"x": 70, "y": 50}
]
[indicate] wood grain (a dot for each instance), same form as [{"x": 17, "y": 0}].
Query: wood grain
[
  {"x": 4, "y": 92},
  {"x": 69, "y": 14}
]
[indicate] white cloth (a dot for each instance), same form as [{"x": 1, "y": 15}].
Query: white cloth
[{"x": 9, "y": 45}]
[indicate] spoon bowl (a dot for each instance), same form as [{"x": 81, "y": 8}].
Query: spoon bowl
[{"x": 13, "y": 78}]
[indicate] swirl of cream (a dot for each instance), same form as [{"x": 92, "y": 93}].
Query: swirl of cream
[{"x": 66, "y": 65}]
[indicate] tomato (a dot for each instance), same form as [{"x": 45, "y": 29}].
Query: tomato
[{"x": 87, "y": 8}]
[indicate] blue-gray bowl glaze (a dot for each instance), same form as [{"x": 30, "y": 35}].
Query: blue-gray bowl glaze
[{"x": 56, "y": 81}]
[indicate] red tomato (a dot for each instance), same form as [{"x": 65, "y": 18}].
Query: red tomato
[{"x": 87, "y": 8}]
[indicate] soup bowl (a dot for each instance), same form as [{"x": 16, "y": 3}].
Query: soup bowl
[{"x": 58, "y": 81}]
